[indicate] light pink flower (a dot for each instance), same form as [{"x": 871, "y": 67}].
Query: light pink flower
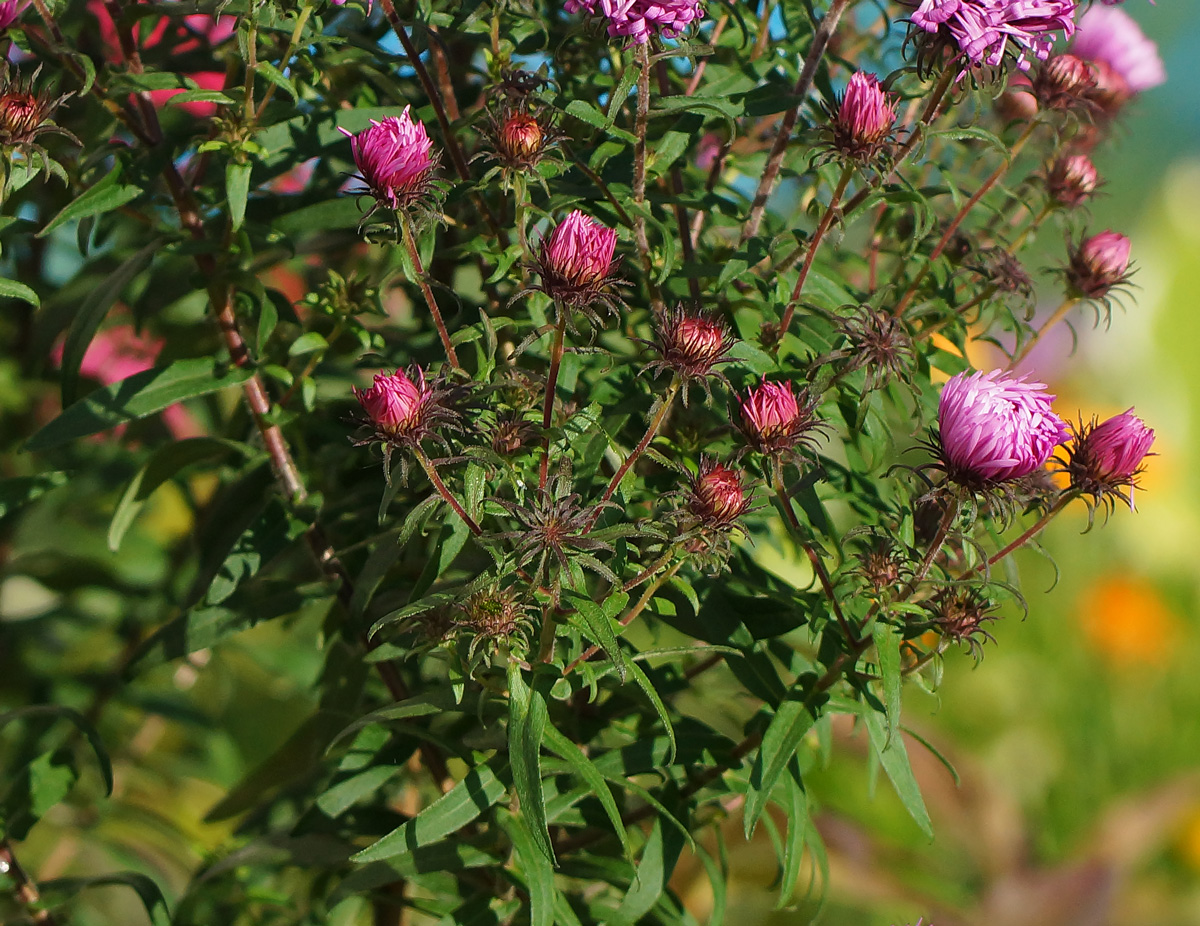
[
  {"x": 396, "y": 404},
  {"x": 638, "y": 19},
  {"x": 994, "y": 427},
  {"x": 984, "y": 29},
  {"x": 578, "y": 254},
  {"x": 394, "y": 158},
  {"x": 1127, "y": 61},
  {"x": 864, "y": 118}
]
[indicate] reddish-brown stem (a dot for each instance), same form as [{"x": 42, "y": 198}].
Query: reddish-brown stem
[
  {"x": 699, "y": 73},
  {"x": 814, "y": 245},
  {"x": 639, "y": 157},
  {"x": 629, "y": 616},
  {"x": 1027, "y": 535},
  {"x": 652, "y": 429},
  {"x": 821, "y": 37},
  {"x": 440, "y": 488},
  {"x": 410, "y": 242},
  {"x": 25, "y": 889},
  {"x": 556, "y": 355},
  {"x": 970, "y": 204}
]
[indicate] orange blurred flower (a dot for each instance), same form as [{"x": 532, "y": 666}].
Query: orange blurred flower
[{"x": 1127, "y": 621}]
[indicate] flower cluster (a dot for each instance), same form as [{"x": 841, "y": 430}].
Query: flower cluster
[
  {"x": 639, "y": 20},
  {"x": 984, "y": 30}
]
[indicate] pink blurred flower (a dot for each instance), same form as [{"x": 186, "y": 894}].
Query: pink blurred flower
[
  {"x": 983, "y": 29},
  {"x": 994, "y": 427},
  {"x": 118, "y": 353},
  {"x": 394, "y": 158},
  {"x": 1072, "y": 179},
  {"x": 637, "y": 19},
  {"x": 576, "y": 258},
  {"x": 864, "y": 118},
  {"x": 395, "y": 403},
  {"x": 1126, "y": 61},
  {"x": 775, "y": 420},
  {"x": 10, "y": 11},
  {"x": 708, "y": 150},
  {"x": 1098, "y": 264},
  {"x": 1105, "y": 458}
]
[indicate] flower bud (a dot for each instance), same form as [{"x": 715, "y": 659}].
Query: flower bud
[
  {"x": 10, "y": 11},
  {"x": 718, "y": 498},
  {"x": 959, "y": 614},
  {"x": 1098, "y": 264},
  {"x": 519, "y": 138},
  {"x": 491, "y": 613},
  {"x": 1105, "y": 458},
  {"x": 396, "y": 404},
  {"x": 864, "y": 119},
  {"x": 993, "y": 428},
  {"x": 691, "y": 343},
  {"x": 1072, "y": 179},
  {"x": 775, "y": 420},
  {"x": 1064, "y": 82},
  {"x": 394, "y": 158},
  {"x": 576, "y": 258}
]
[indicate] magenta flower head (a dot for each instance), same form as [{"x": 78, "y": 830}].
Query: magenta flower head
[
  {"x": 395, "y": 159},
  {"x": 1126, "y": 61},
  {"x": 404, "y": 409},
  {"x": 576, "y": 261},
  {"x": 984, "y": 31},
  {"x": 1105, "y": 459},
  {"x": 1098, "y": 264},
  {"x": 718, "y": 497},
  {"x": 993, "y": 427},
  {"x": 1071, "y": 180},
  {"x": 637, "y": 20},
  {"x": 776, "y": 420},
  {"x": 864, "y": 118},
  {"x": 691, "y": 343},
  {"x": 10, "y": 11}
]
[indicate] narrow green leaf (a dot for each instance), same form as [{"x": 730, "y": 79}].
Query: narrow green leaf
[
  {"x": 103, "y": 196},
  {"x": 647, "y": 686},
  {"x": 136, "y": 397},
  {"x": 345, "y": 794},
  {"x": 574, "y": 756},
  {"x": 793, "y": 845},
  {"x": 91, "y": 313},
  {"x": 81, "y": 723},
  {"x": 887, "y": 645},
  {"x": 534, "y": 866},
  {"x": 237, "y": 191},
  {"x": 894, "y": 759},
  {"x": 11, "y": 289},
  {"x": 478, "y": 791},
  {"x": 601, "y": 630},
  {"x": 792, "y": 720},
  {"x": 148, "y": 892},
  {"x": 433, "y": 702},
  {"x": 18, "y": 492},
  {"x": 527, "y": 721}
]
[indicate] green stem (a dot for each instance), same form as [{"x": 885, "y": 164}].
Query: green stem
[
  {"x": 556, "y": 355},
  {"x": 1059, "y": 314},
  {"x": 297, "y": 32}
]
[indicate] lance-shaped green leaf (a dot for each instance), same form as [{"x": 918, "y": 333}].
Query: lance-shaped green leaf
[
  {"x": 148, "y": 892},
  {"x": 534, "y": 867},
  {"x": 11, "y": 289},
  {"x": 527, "y": 720},
  {"x": 19, "y": 492},
  {"x": 583, "y": 766},
  {"x": 103, "y": 196},
  {"x": 135, "y": 397},
  {"x": 894, "y": 759},
  {"x": 793, "y": 718}
]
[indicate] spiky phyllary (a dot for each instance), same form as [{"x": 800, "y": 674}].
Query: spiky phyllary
[{"x": 25, "y": 115}]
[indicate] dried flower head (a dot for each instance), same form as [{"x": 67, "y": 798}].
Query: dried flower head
[
  {"x": 1126, "y": 61},
  {"x": 983, "y": 31},
  {"x": 863, "y": 120},
  {"x": 513, "y": 433},
  {"x": 882, "y": 564},
  {"x": 395, "y": 160},
  {"x": 1104, "y": 459},
  {"x": 878, "y": 342},
  {"x": 1098, "y": 264},
  {"x": 1064, "y": 82},
  {"x": 775, "y": 420},
  {"x": 638, "y": 20},
  {"x": 576, "y": 263},
  {"x": 959, "y": 614},
  {"x": 691, "y": 343},
  {"x": 493, "y": 612},
  {"x": 1071, "y": 180},
  {"x": 993, "y": 427},
  {"x": 1005, "y": 272}
]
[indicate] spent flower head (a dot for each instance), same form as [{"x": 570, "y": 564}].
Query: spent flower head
[
  {"x": 959, "y": 613},
  {"x": 994, "y": 427}
]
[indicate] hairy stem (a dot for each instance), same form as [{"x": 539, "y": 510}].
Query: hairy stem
[
  {"x": 445, "y": 493},
  {"x": 556, "y": 355},
  {"x": 651, "y": 430},
  {"x": 408, "y": 233},
  {"x": 816, "y": 51},
  {"x": 681, "y": 213},
  {"x": 814, "y": 245},
  {"x": 639, "y": 156}
]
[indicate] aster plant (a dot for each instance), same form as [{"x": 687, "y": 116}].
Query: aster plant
[{"x": 600, "y": 610}]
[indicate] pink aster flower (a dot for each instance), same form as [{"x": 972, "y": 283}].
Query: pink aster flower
[
  {"x": 637, "y": 19},
  {"x": 10, "y": 11},
  {"x": 1126, "y": 61},
  {"x": 576, "y": 259},
  {"x": 776, "y": 420},
  {"x": 1105, "y": 458},
  {"x": 864, "y": 117},
  {"x": 394, "y": 158},
  {"x": 994, "y": 427},
  {"x": 396, "y": 404},
  {"x": 983, "y": 29}
]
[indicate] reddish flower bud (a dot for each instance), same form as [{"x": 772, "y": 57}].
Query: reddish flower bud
[
  {"x": 864, "y": 119},
  {"x": 1105, "y": 458},
  {"x": 691, "y": 343},
  {"x": 576, "y": 259},
  {"x": 1064, "y": 82},
  {"x": 395, "y": 403},
  {"x": 718, "y": 497},
  {"x": 1099, "y": 264},
  {"x": 994, "y": 428},
  {"x": 24, "y": 113},
  {"x": 1072, "y": 179},
  {"x": 394, "y": 158},
  {"x": 520, "y": 137},
  {"x": 775, "y": 420}
]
